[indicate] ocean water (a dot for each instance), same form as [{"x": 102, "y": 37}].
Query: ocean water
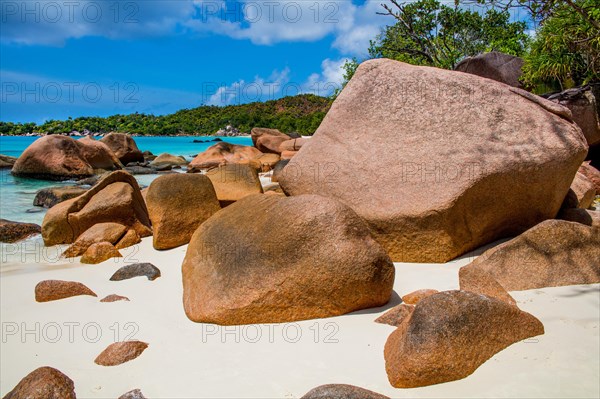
[{"x": 17, "y": 194}]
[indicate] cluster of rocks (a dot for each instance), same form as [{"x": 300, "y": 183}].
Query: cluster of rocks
[
  {"x": 230, "y": 131},
  {"x": 380, "y": 181}
]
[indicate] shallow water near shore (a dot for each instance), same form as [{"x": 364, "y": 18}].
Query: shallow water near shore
[{"x": 17, "y": 194}]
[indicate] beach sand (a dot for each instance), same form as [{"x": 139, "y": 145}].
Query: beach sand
[{"x": 190, "y": 360}]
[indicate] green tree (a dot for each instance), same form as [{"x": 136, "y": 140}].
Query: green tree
[{"x": 429, "y": 33}]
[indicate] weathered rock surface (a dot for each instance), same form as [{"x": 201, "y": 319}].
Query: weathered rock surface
[
  {"x": 270, "y": 259},
  {"x": 124, "y": 147},
  {"x": 7, "y": 162},
  {"x": 48, "y": 197},
  {"x": 129, "y": 239},
  {"x": 116, "y": 198},
  {"x": 450, "y": 334},
  {"x": 100, "y": 252},
  {"x": 268, "y": 140},
  {"x": 424, "y": 181},
  {"x": 268, "y": 161},
  {"x": 583, "y": 216},
  {"x": 61, "y": 158},
  {"x": 178, "y": 204},
  {"x": 134, "y": 394},
  {"x": 592, "y": 174},
  {"x": 278, "y": 170},
  {"x": 414, "y": 297},
  {"x": 168, "y": 159},
  {"x": 477, "y": 280},
  {"x": 120, "y": 352},
  {"x": 43, "y": 383},
  {"x": 341, "y": 391},
  {"x": 233, "y": 182},
  {"x": 136, "y": 270},
  {"x": 396, "y": 315},
  {"x": 101, "y": 232},
  {"x": 503, "y": 68},
  {"x": 114, "y": 298},
  {"x": 52, "y": 290},
  {"x": 553, "y": 253},
  {"x": 287, "y": 155},
  {"x": 582, "y": 104},
  {"x": 223, "y": 153},
  {"x": 16, "y": 231},
  {"x": 292, "y": 145},
  {"x": 584, "y": 191}
]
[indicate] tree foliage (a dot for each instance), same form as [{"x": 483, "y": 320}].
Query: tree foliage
[{"x": 302, "y": 114}]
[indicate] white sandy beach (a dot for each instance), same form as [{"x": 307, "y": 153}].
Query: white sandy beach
[{"x": 189, "y": 360}]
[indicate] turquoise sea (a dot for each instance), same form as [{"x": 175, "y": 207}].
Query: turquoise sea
[{"x": 17, "y": 194}]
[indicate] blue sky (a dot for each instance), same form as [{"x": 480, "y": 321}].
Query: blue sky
[{"x": 77, "y": 58}]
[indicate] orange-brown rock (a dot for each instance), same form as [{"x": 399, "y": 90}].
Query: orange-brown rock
[
  {"x": 52, "y": 290},
  {"x": 100, "y": 252},
  {"x": 116, "y": 198},
  {"x": 233, "y": 182},
  {"x": 278, "y": 170},
  {"x": 592, "y": 174},
  {"x": 43, "y": 383},
  {"x": 178, "y": 204},
  {"x": 16, "y": 231},
  {"x": 129, "y": 239},
  {"x": 396, "y": 315},
  {"x": 120, "y": 352},
  {"x": 423, "y": 181},
  {"x": 56, "y": 157},
  {"x": 475, "y": 279},
  {"x": 124, "y": 147},
  {"x": 583, "y": 216},
  {"x": 114, "y": 298},
  {"x": 101, "y": 232},
  {"x": 223, "y": 153},
  {"x": 414, "y": 297},
  {"x": 98, "y": 154},
  {"x": 293, "y": 145},
  {"x": 450, "y": 334},
  {"x": 168, "y": 159},
  {"x": 287, "y": 155},
  {"x": 268, "y": 140},
  {"x": 553, "y": 253},
  {"x": 268, "y": 161},
  {"x": 584, "y": 191},
  {"x": 271, "y": 259}
]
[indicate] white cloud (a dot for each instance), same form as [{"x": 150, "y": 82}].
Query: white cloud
[
  {"x": 260, "y": 89},
  {"x": 263, "y": 22}
]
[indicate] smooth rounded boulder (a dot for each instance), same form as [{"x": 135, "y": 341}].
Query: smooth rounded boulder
[
  {"x": 422, "y": 154},
  {"x": 450, "y": 334},
  {"x": 56, "y": 157},
  {"x": 233, "y": 182},
  {"x": 223, "y": 153},
  {"x": 48, "y": 197},
  {"x": 116, "y": 198},
  {"x": 178, "y": 204},
  {"x": 271, "y": 259},
  {"x": 124, "y": 147},
  {"x": 552, "y": 254},
  {"x": 44, "y": 383},
  {"x": 168, "y": 160},
  {"x": 268, "y": 140},
  {"x": 504, "y": 68}
]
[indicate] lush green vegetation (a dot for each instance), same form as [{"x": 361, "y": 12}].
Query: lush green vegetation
[
  {"x": 429, "y": 33},
  {"x": 564, "y": 52},
  {"x": 301, "y": 114}
]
